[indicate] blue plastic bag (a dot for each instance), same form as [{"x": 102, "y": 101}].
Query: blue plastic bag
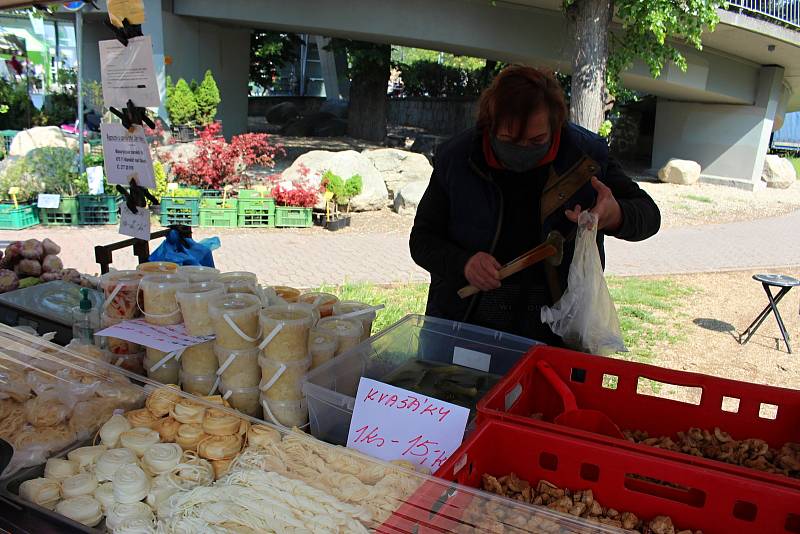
[{"x": 186, "y": 251}]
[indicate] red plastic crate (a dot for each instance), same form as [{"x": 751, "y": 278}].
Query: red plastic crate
[
  {"x": 523, "y": 392},
  {"x": 696, "y": 498}
]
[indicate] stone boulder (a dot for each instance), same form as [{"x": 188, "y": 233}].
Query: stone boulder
[
  {"x": 399, "y": 167},
  {"x": 40, "y": 137},
  {"x": 427, "y": 144},
  {"x": 779, "y": 172},
  {"x": 282, "y": 113},
  {"x": 407, "y": 199},
  {"x": 346, "y": 163},
  {"x": 176, "y": 153},
  {"x": 680, "y": 171}
]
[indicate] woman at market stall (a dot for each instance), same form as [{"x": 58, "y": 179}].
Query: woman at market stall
[{"x": 498, "y": 190}]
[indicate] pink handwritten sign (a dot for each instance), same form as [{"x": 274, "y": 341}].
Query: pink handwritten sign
[
  {"x": 164, "y": 338},
  {"x": 391, "y": 423}
]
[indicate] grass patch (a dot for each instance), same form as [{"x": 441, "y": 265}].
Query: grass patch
[
  {"x": 647, "y": 311},
  {"x": 699, "y": 198},
  {"x": 400, "y": 300}
]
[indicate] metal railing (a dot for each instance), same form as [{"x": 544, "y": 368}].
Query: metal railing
[{"x": 783, "y": 12}]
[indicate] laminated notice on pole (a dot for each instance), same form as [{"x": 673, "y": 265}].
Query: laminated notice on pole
[
  {"x": 128, "y": 73},
  {"x": 127, "y": 156}
]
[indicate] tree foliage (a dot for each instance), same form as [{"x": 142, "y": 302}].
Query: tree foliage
[
  {"x": 437, "y": 80},
  {"x": 649, "y": 30},
  {"x": 408, "y": 56},
  {"x": 269, "y": 53},
  {"x": 182, "y": 106},
  {"x": 207, "y": 97}
]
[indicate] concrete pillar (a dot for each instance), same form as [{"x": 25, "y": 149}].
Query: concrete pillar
[
  {"x": 729, "y": 141},
  {"x": 328, "y": 65},
  {"x": 154, "y": 27}
]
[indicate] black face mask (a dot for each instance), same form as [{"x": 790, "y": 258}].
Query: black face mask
[{"x": 516, "y": 157}]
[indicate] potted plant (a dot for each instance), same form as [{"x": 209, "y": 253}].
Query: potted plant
[
  {"x": 338, "y": 194},
  {"x": 207, "y": 98},
  {"x": 294, "y": 203},
  {"x": 182, "y": 110}
]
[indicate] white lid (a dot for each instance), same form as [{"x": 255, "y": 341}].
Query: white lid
[
  {"x": 342, "y": 327},
  {"x": 198, "y": 273},
  {"x": 157, "y": 267},
  {"x": 163, "y": 281},
  {"x": 121, "y": 278},
  {"x": 288, "y": 315},
  {"x": 347, "y": 306},
  {"x": 326, "y": 299},
  {"x": 234, "y": 304},
  {"x": 201, "y": 290},
  {"x": 238, "y": 278}
]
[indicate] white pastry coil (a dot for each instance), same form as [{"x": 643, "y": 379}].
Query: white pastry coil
[
  {"x": 162, "y": 458},
  {"x": 41, "y": 491},
  {"x": 108, "y": 463},
  {"x": 130, "y": 484},
  {"x": 136, "y": 526},
  {"x": 59, "y": 469},
  {"x": 187, "y": 412},
  {"x": 105, "y": 495},
  {"x": 110, "y": 431},
  {"x": 121, "y": 512},
  {"x": 139, "y": 440},
  {"x": 84, "y": 509},
  {"x": 86, "y": 457},
  {"x": 77, "y": 485}
]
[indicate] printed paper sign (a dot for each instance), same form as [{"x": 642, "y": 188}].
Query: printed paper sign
[
  {"x": 134, "y": 224},
  {"x": 391, "y": 423},
  {"x": 95, "y": 177},
  {"x": 164, "y": 338},
  {"x": 127, "y": 156},
  {"x": 48, "y": 201},
  {"x": 127, "y": 72}
]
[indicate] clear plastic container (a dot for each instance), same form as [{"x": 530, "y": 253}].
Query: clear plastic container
[
  {"x": 330, "y": 388},
  {"x": 239, "y": 282},
  {"x": 193, "y": 300},
  {"x": 200, "y": 359},
  {"x": 241, "y": 309},
  {"x": 288, "y": 413},
  {"x": 322, "y": 344},
  {"x": 198, "y": 273},
  {"x": 116, "y": 345},
  {"x": 348, "y": 332},
  {"x": 130, "y": 362},
  {"x": 348, "y": 306},
  {"x": 238, "y": 367},
  {"x": 246, "y": 400},
  {"x": 152, "y": 267},
  {"x": 325, "y": 301},
  {"x": 120, "y": 291},
  {"x": 287, "y": 385},
  {"x": 291, "y": 342},
  {"x": 158, "y": 297},
  {"x": 289, "y": 294},
  {"x": 200, "y": 385},
  {"x": 166, "y": 372}
]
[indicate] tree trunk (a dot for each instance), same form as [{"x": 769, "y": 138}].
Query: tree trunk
[
  {"x": 366, "y": 114},
  {"x": 590, "y": 21}
]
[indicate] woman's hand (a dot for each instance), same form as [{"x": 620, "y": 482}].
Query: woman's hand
[
  {"x": 609, "y": 214},
  {"x": 481, "y": 271}
]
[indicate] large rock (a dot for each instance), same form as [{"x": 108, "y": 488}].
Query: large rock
[
  {"x": 282, "y": 113},
  {"x": 399, "y": 167},
  {"x": 407, "y": 199},
  {"x": 312, "y": 165},
  {"x": 778, "y": 172},
  {"x": 680, "y": 171},
  {"x": 40, "y": 137},
  {"x": 177, "y": 153}
]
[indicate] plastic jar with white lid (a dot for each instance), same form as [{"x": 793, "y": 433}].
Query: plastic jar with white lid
[
  {"x": 239, "y": 282},
  {"x": 162, "y": 267},
  {"x": 238, "y": 368},
  {"x": 324, "y": 302},
  {"x": 288, "y": 413},
  {"x": 348, "y": 332},
  {"x": 288, "y": 324},
  {"x": 246, "y": 400},
  {"x": 282, "y": 380},
  {"x": 161, "y": 368},
  {"x": 120, "y": 293},
  {"x": 235, "y": 320},
  {"x": 322, "y": 344},
  {"x": 200, "y": 359},
  {"x": 158, "y": 297},
  {"x": 198, "y": 273},
  {"x": 193, "y": 300},
  {"x": 200, "y": 385},
  {"x": 348, "y": 306}
]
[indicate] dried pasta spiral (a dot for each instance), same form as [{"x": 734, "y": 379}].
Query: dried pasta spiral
[
  {"x": 141, "y": 417},
  {"x": 220, "y": 423},
  {"x": 136, "y": 525},
  {"x": 121, "y": 512},
  {"x": 262, "y": 435},
  {"x": 192, "y": 472},
  {"x": 45, "y": 411},
  {"x": 161, "y": 401},
  {"x": 42, "y": 491},
  {"x": 111, "y": 460},
  {"x": 189, "y": 436},
  {"x": 80, "y": 484},
  {"x": 220, "y": 447},
  {"x": 105, "y": 495},
  {"x": 162, "y": 458},
  {"x": 59, "y": 469},
  {"x": 167, "y": 428},
  {"x": 84, "y": 509},
  {"x": 130, "y": 484},
  {"x": 221, "y": 467},
  {"x": 86, "y": 456},
  {"x": 188, "y": 412},
  {"x": 110, "y": 431},
  {"x": 139, "y": 440}
]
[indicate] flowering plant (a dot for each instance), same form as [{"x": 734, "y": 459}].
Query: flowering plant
[{"x": 296, "y": 194}]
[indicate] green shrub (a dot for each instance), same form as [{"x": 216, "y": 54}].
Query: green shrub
[
  {"x": 343, "y": 190},
  {"x": 207, "y": 96},
  {"x": 161, "y": 181},
  {"x": 58, "y": 109},
  {"x": 44, "y": 170},
  {"x": 182, "y": 107},
  {"x": 14, "y": 95}
]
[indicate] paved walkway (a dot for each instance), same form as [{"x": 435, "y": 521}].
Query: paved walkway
[{"x": 308, "y": 258}]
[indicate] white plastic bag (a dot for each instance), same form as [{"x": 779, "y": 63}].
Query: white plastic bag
[{"x": 585, "y": 317}]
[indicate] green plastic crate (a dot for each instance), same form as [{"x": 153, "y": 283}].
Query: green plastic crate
[
  {"x": 256, "y": 212},
  {"x": 211, "y": 193},
  {"x": 290, "y": 217},
  {"x": 97, "y": 209},
  {"x": 252, "y": 193},
  {"x": 66, "y": 214},
  {"x": 8, "y": 136},
  {"x": 180, "y": 210},
  {"x": 218, "y": 214},
  {"x": 17, "y": 218}
]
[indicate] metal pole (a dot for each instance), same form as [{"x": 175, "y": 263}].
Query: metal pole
[{"x": 79, "y": 44}]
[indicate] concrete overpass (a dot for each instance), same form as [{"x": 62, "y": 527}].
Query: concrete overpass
[{"x": 720, "y": 112}]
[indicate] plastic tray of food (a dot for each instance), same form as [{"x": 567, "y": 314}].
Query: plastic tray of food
[
  {"x": 750, "y": 424},
  {"x": 447, "y": 360},
  {"x": 601, "y": 484}
]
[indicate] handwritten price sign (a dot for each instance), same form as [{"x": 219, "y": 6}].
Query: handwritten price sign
[
  {"x": 396, "y": 424},
  {"x": 167, "y": 338}
]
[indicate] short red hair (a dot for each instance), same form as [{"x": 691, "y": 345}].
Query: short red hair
[{"x": 517, "y": 92}]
